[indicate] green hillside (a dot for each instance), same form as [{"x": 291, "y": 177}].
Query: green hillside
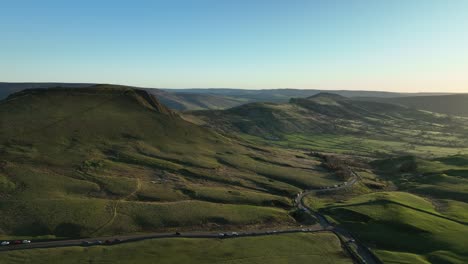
[
  {"x": 402, "y": 226},
  {"x": 307, "y": 122},
  {"x": 419, "y": 217},
  {"x": 113, "y": 160}
]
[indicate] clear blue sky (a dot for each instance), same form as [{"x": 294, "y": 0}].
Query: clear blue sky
[{"x": 396, "y": 45}]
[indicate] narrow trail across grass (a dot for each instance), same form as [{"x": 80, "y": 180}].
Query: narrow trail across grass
[{"x": 115, "y": 205}]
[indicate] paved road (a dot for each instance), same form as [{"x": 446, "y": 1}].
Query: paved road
[
  {"x": 133, "y": 238},
  {"x": 364, "y": 254}
]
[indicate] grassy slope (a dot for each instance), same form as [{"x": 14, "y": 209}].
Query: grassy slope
[
  {"x": 105, "y": 161},
  {"x": 403, "y": 227},
  {"x": 400, "y": 226},
  {"x": 404, "y": 224},
  {"x": 297, "y": 248}
]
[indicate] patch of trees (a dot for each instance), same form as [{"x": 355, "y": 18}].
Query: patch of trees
[{"x": 339, "y": 166}]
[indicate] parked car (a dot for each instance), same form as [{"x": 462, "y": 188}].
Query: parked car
[
  {"x": 177, "y": 233},
  {"x": 116, "y": 241},
  {"x": 234, "y": 233},
  {"x": 85, "y": 243},
  {"x": 5, "y": 243},
  {"x": 26, "y": 241},
  {"x": 17, "y": 242}
]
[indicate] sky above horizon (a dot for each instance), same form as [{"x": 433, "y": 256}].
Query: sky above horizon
[{"x": 386, "y": 45}]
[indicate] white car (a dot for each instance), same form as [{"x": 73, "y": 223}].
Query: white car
[
  {"x": 5, "y": 243},
  {"x": 26, "y": 241}
]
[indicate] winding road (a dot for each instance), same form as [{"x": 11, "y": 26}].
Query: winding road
[{"x": 359, "y": 252}]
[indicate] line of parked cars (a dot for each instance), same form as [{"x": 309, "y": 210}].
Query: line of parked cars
[
  {"x": 232, "y": 234},
  {"x": 99, "y": 242},
  {"x": 16, "y": 242}
]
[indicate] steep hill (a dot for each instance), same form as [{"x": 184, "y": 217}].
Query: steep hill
[
  {"x": 456, "y": 104},
  {"x": 111, "y": 160},
  {"x": 175, "y": 101},
  {"x": 7, "y": 88}
]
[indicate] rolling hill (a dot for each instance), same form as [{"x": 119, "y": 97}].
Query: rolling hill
[
  {"x": 455, "y": 104},
  {"x": 194, "y": 101},
  {"x": 114, "y": 160},
  {"x": 282, "y": 95},
  {"x": 175, "y": 101},
  {"x": 331, "y": 114},
  {"x": 425, "y": 221},
  {"x": 208, "y": 99}
]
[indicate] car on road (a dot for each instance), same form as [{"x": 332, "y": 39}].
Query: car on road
[
  {"x": 26, "y": 241},
  {"x": 4, "y": 243},
  {"x": 234, "y": 233},
  {"x": 85, "y": 243}
]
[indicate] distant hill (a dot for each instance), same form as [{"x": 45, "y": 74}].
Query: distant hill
[
  {"x": 456, "y": 104},
  {"x": 180, "y": 102},
  {"x": 207, "y": 99},
  {"x": 283, "y": 95},
  {"x": 328, "y": 113},
  {"x": 195, "y": 101}
]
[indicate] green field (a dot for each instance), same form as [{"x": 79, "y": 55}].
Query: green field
[
  {"x": 402, "y": 226},
  {"x": 424, "y": 222},
  {"x": 290, "y": 248}
]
